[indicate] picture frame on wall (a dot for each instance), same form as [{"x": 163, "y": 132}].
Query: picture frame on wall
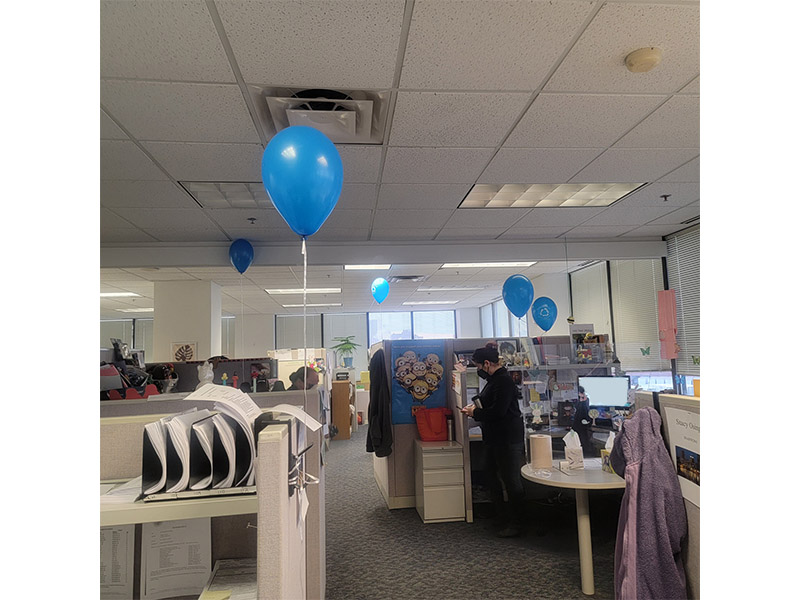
[
  {"x": 184, "y": 351},
  {"x": 508, "y": 349}
]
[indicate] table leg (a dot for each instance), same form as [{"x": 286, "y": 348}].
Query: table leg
[{"x": 585, "y": 541}]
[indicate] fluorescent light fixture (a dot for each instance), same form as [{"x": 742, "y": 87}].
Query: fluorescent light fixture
[
  {"x": 430, "y": 302},
  {"x": 486, "y": 265},
  {"x": 367, "y": 267},
  {"x": 118, "y": 295},
  {"x": 451, "y": 289},
  {"x": 308, "y": 291},
  {"x": 546, "y": 195},
  {"x": 134, "y": 310},
  {"x": 309, "y": 305}
]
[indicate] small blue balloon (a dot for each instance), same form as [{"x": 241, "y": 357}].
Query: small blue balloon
[
  {"x": 380, "y": 289},
  {"x": 302, "y": 172},
  {"x": 544, "y": 312},
  {"x": 241, "y": 255},
  {"x": 518, "y": 294}
]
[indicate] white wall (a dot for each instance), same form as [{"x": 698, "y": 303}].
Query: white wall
[
  {"x": 556, "y": 287},
  {"x": 468, "y": 323},
  {"x": 255, "y": 334},
  {"x": 186, "y": 311}
]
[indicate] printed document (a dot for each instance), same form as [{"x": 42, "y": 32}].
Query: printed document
[{"x": 176, "y": 558}]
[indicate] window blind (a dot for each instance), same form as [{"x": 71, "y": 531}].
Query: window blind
[
  {"x": 590, "y": 297},
  {"x": 683, "y": 273},
  {"x": 289, "y": 331},
  {"x": 634, "y": 297}
]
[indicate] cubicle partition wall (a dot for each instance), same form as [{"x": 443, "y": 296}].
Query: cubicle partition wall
[{"x": 121, "y": 432}]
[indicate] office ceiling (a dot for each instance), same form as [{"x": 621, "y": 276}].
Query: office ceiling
[{"x": 474, "y": 92}]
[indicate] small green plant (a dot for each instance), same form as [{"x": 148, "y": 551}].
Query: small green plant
[{"x": 346, "y": 345}]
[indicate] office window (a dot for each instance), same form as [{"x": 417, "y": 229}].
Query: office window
[
  {"x": 389, "y": 326},
  {"x": 289, "y": 331},
  {"x": 590, "y": 298},
  {"x": 434, "y": 324},
  {"x": 519, "y": 327},
  {"x": 120, "y": 330},
  {"x": 501, "y": 318},
  {"x": 487, "y": 321},
  {"x": 634, "y": 296},
  {"x": 683, "y": 273},
  {"x": 343, "y": 325}
]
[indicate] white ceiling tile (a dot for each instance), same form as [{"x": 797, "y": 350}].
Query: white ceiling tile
[
  {"x": 109, "y": 130},
  {"x": 524, "y": 233},
  {"x": 693, "y": 87},
  {"x": 411, "y": 219},
  {"x": 356, "y": 196},
  {"x": 110, "y": 219},
  {"x": 597, "y": 61},
  {"x": 166, "y": 218},
  {"x": 403, "y": 234},
  {"x": 678, "y": 216},
  {"x": 443, "y": 119},
  {"x": 236, "y": 218},
  {"x": 161, "y": 40},
  {"x": 120, "y": 276},
  {"x": 124, "y": 160},
  {"x": 342, "y": 219},
  {"x": 537, "y": 165},
  {"x": 185, "y": 112},
  {"x": 124, "y": 235},
  {"x": 424, "y": 195},
  {"x": 360, "y": 164},
  {"x": 646, "y": 231},
  {"x": 434, "y": 165},
  {"x": 160, "y": 273},
  {"x": 560, "y": 120},
  {"x": 478, "y": 45},
  {"x": 144, "y": 194},
  {"x": 262, "y": 234},
  {"x": 690, "y": 172},
  {"x": 624, "y": 165},
  {"x": 187, "y": 235},
  {"x": 474, "y": 218},
  {"x": 342, "y": 234},
  {"x": 627, "y": 215},
  {"x": 558, "y": 217},
  {"x": 469, "y": 234},
  {"x": 291, "y": 43},
  {"x": 599, "y": 231},
  {"x": 680, "y": 194},
  {"x": 675, "y": 124},
  {"x": 208, "y": 162}
]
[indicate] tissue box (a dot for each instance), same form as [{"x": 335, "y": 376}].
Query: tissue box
[
  {"x": 605, "y": 457},
  {"x": 574, "y": 457}
]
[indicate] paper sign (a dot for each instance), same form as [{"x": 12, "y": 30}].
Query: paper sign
[
  {"x": 176, "y": 558},
  {"x": 683, "y": 428},
  {"x": 299, "y": 414},
  {"x": 116, "y": 562}
]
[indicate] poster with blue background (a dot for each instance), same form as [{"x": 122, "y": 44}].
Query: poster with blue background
[{"x": 417, "y": 378}]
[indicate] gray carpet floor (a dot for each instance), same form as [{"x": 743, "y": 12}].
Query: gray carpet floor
[{"x": 373, "y": 552}]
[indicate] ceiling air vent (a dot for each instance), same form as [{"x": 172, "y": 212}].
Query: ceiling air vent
[
  {"x": 346, "y": 117},
  {"x": 401, "y": 278}
]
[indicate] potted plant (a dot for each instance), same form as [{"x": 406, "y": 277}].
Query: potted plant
[{"x": 345, "y": 349}]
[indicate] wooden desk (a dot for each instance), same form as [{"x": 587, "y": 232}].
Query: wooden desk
[{"x": 590, "y": 478}]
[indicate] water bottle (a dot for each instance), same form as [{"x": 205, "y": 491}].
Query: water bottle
[{"x": 449, "y": 430}]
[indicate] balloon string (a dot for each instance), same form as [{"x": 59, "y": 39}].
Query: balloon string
[
  {"x": 241, "y": 305},
  {"x": 305, "y": 341}
]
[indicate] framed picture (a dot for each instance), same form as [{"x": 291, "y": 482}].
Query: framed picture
[
  {"x": 465, "y": 359},
  {"x": 184, "y": 351},
  {"x": 508, "y": 350}
]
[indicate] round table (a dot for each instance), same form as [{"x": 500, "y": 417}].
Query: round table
[{"x": 590, "y": 478}]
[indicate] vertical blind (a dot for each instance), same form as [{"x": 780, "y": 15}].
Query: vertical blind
[
  {"x": 634, "y": 297},
  {"x": 683, "y": 273},
  {"x": 590, "y": 297}
]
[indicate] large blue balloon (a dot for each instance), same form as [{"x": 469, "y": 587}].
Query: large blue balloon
[
  {"x": 380, "y": 289},
  {"x": 302, "y": 172},
  {"x": 241, "y": 254},
  {"x": 518, "y": 294},
  {"x": 544, "y": 312}
]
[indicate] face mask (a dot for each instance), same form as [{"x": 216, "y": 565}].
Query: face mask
[{"x": 483, "y": 374}]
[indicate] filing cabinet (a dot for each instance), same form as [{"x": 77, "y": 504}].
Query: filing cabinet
[{"x": 439, "y": 481}]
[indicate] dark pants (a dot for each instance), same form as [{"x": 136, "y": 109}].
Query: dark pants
[{"x": 503, "y": 464}]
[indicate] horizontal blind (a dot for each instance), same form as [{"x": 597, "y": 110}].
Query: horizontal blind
[
  {"x": 590, "y": 297},
  {"x": 683, "y": 272},
  {"x": 634, "y": 297},
  {"x": 289, "y": 331}
]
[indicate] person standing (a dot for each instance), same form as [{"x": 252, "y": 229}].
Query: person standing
[
  {"x": 500, "y": 419},
  {"x": 582, "y": 422}
]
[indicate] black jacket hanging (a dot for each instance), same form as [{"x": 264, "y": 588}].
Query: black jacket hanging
[{"x": 379, "y": 413}]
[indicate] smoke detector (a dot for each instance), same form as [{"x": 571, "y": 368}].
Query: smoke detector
[
  {"x": 345, "y": 117},
  {"x": 643, "y": 60}
]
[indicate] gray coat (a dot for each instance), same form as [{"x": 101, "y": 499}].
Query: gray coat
[{"x": 652, "y": 518}]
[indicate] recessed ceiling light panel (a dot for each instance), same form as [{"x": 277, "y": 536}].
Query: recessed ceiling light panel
[
  {"x": 367, "y": 267},
  {"x": 308, "y": 291},
  {"x": 486, "y": 265},
  {"x": 119, "y": 295},
  {"x": 546, "y": 195}
]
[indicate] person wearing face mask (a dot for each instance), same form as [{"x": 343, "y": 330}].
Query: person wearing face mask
[
  {"x": 497, "y": 411},
  {"x": 303, "y": 378}
]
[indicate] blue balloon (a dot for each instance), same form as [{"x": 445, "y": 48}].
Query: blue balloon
[
  {"x": 518, "y": 294},
  {"x": 241, "y": 254},
  {"x": 380, "y": 289},
  {"x": 302, "y": 172},
  {"x": 544, "y": 312}
]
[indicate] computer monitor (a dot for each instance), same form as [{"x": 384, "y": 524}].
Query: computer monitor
[{"x": 606, "y": 391}]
